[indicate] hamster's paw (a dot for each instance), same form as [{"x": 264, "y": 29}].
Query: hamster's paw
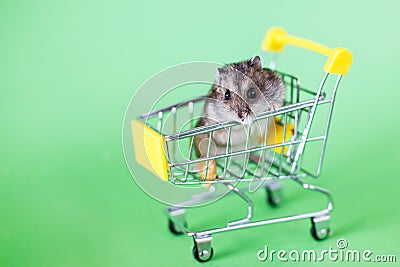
[{"x": 207, "y": 172}]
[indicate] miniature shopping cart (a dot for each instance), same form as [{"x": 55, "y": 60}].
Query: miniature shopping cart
[{"x": 157, "y": 138}]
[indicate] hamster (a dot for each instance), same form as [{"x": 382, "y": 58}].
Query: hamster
[{"x": 240, "y": 91}]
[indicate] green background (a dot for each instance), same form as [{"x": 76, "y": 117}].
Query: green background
[{"x": 68, "y": 70}]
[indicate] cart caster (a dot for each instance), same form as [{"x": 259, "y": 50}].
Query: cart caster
[
  {"x": 174, "y": 229},
  {"x": 320, "y": 227},
  {"x": 274, "y": 193},
  {"x": 179, "y": 216},
  {"x": 202, "y": 249}
]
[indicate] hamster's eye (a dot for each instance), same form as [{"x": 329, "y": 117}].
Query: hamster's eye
[
  {"x": 251, "y": 93},
  {"x": 227, "y": 95}
]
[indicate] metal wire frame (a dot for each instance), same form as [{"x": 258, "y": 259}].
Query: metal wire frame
[
  {"x": 292, "y": 112},
  {"x": 246, "y": 222}
]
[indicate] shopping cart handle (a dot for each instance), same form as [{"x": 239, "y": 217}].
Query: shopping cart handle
[{"x": 339, "y": 59}]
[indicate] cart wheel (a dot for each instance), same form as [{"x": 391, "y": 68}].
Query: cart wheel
[
  {"x": 320, "y": 229},
  {"x": 274, "y": 194},
  {"x": 202, "y": 249},
  {"x": 273, "y": 199},
  {"x": 174, "y": 229},
  {"x": 321, "y": 235},
  {"x": 204, "y": 255}
]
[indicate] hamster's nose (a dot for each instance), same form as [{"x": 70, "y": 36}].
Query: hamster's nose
[{"x": 242, "y": 115}]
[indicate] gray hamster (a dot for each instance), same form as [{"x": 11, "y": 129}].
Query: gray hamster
[{"x": 240, "y": 91}]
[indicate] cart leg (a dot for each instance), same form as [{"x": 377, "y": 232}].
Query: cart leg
[
  {"x": 202, "y": 249},
  {"x": 274, "y": 192},
  {"x": 244, "y": 197},
  {"x": 176, "y": 220},
  {"x": 320, "y": 227},
  {"x": 318, "y": 189}
]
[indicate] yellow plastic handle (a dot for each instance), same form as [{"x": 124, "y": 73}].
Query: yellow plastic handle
[{"x": 339, "y": 59}]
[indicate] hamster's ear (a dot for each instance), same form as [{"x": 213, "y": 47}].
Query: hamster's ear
[{"x": 255, "y": 62}]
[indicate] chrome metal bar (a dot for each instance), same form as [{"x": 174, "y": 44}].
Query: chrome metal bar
[
  {"x": 189, "y": 158},
  {"x": 242, "y": 225},
  {"x": 296, "y": 120},
  {"x": 222, "y": 125},
  {"x": 265, "y": 141},
  {"x": 148, "y": 115},
  {"x": 243, "y": 196},
  {"x": 259, "y": 223},
  {"x": 190, "y": 107},
  {"x": 328, "y": 125},
  {"x": 317, "y": 189},
  {"x": 168, "y": 158},
  {"x": 298, "y": 91},
  {"x": 291, "y": 91},
  {"x": 174, "y": 121},
  {"x": 196, "y": 182},
  {"x": 246, "y": 155},
  {"x": 227, "y": 151},
  {"x": 282, "y": 147},
  {"x": 208, "y": 155},
  {"x": 307, "y": 128},
  {"x": 235, "y": 153}
]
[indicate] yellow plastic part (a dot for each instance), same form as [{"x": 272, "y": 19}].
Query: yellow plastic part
[
  {"x": 275, "y": 136},
  {"x": 149, "y": 149},
  {"x": 339, "y": 59}
]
